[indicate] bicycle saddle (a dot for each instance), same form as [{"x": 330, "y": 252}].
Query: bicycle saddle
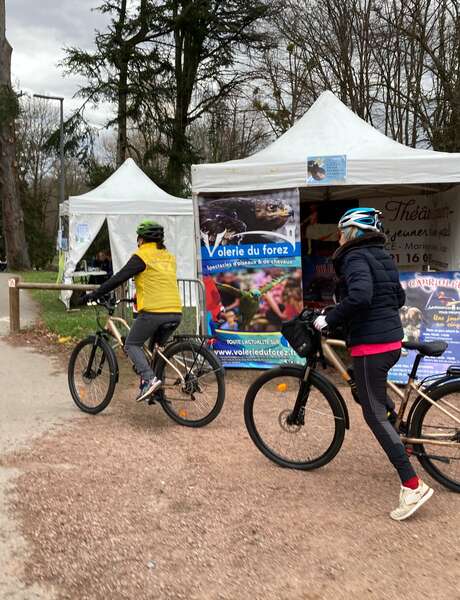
[
  {"x": 427, "y": 348},
  {"x": 164, "y": 331}
]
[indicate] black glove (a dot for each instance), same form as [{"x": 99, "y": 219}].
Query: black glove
[{"x": 87, "y": 298}]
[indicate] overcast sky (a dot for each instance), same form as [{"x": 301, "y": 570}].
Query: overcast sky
[{"x": 38, "y": 30}]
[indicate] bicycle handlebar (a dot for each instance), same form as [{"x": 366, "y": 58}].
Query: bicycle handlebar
[{"x": 109, "y": 302}]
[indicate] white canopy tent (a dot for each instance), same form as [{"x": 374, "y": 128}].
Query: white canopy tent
[
  {"x": 123, "y": 200},
  {"x": 328, "y": 128},
  {"x": 377, "y": 167}
]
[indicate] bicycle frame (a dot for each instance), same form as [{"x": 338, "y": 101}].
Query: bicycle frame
[
  {"x": 113, "y": 330},
  {"x": 327, "y": 346}
]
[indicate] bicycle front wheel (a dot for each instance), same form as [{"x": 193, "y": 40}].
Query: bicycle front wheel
[
  {"x": 267, "y": 407},
  {"x": 92, "y": 374},
  {"x": 439, "y": 455},
  {"x": 193, "y": 383}
]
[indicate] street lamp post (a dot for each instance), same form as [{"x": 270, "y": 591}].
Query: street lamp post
[{"x": 61, "y": 144}]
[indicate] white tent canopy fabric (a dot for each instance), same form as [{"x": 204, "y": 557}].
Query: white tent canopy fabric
[
  {"x": 124, "y": 200},
  {"x": 328, "y": 128}
]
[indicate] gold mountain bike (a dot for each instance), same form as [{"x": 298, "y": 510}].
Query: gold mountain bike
[
  {"x": 297, "y": 417},
  {"x": 193, "y": 389}
]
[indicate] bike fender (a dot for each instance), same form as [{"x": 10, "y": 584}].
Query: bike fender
[
  {"x": 104, "y": 340},
  {"x": 434, "y": 386},
  {"x": 327, "y": 383}
]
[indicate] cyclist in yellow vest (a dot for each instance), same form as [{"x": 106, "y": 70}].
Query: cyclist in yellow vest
[{"x": 158, "y": 300}]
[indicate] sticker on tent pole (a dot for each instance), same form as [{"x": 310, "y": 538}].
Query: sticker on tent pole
[{"x": 326, "y": 170}]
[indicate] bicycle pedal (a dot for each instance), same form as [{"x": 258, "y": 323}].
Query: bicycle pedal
[
  {"x": 155, "y": 397},
  {"x": 403, "y": 428}
]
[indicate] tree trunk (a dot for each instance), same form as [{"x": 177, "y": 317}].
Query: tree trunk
[
  {"x": 122, "y": 135},
  {"x": 13, "y": 218},
  {"x": 175, "y": 170},
  {"x": 188, "y": 46}
]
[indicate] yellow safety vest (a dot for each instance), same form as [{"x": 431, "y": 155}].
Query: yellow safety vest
[{"x": 156, "y": 286}]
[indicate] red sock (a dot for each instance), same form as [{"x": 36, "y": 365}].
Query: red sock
[{"x": 411, "y": 483}]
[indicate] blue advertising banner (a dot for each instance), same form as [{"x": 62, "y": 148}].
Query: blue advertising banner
[
  {"x": 431, "y": 312},
  {"x": 251, "y": 263},
  {"x": 326, "y": 170}
]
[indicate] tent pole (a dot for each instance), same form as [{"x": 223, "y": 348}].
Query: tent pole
[
  {"x": 196, "y": 216},
  {"x": 199, "y": 266}
]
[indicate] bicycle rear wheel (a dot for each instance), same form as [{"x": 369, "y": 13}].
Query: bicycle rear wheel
[
  {"x": 92, "y": 374},
  {"x": 193, "y": 389},
  {"x": 269, "y": 403},
  {"x": 442, "y": 462}
]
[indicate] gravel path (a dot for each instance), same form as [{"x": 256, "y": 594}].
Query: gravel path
[
  {"x": 32, "y": 401},
  {"x": 128, "y": 505}
]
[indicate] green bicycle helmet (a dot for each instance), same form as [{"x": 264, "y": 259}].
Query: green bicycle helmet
[{"x": 150, "y": 231}]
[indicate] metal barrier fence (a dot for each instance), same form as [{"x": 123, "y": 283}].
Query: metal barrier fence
[{"x": 192, "y": 293}]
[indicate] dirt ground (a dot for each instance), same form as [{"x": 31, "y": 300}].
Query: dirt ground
[
  {"x": 31, "y": 392},
  {"x": 129, "y": 505}
]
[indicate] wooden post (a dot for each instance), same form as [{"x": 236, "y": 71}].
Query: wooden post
[{"x": 15, "y": 324}]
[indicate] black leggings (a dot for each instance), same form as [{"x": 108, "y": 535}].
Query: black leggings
[{"x": 371, "y": 375}]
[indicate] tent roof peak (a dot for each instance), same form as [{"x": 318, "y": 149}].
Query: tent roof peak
[
  {"x": 129, "y": 190},
  {"x": 329, "y": 128}
]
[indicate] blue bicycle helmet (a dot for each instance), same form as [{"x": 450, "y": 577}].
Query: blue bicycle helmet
[{"x": 363, "y": 218}]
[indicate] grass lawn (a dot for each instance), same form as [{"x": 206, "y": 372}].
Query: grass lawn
[
  {"x": 76, "y": 324},
  {"x": 81, "y": 322}
]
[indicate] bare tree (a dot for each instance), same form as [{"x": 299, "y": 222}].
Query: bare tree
[
  {"x": 38, "y": 171},
  {"x": 232, "y": 129},
  {"x": 395, "y": 63},
  {"x": 433, "y": 26},
  {"x": 12, "y": 214},
  {"x": 285, "y": 87},
  {"x": 334, "y": 40}
]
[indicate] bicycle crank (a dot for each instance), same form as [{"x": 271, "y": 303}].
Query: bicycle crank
[{"x": 442, "y": 459}]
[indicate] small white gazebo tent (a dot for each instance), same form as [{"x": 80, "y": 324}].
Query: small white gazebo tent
[{"x": 124, "y": 199}]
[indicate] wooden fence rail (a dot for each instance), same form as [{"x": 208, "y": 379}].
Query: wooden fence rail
[
  {"x": 192, "y": 292},
  {"x": 15, "y": 284}
]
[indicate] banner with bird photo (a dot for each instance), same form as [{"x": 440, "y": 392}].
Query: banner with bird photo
[
  {"x": 251, "y": 264},
  {"x": 431, "y": 313}
]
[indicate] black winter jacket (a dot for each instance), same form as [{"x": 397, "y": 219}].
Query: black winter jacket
[{"x": 370, "y": 292}]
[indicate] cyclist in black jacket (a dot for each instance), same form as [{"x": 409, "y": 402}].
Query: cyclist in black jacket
[{"x": 370, "y": 298}]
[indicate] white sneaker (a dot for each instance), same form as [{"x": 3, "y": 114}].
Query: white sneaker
[
  {"x": 148, "y": 388},
  {"x": 411, "y": 500}
]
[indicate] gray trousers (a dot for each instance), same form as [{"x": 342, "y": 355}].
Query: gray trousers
[{"x": 144, "y": 327}]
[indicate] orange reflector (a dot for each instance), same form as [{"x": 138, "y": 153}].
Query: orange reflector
[
  {"x": 82, "y": 393},
  {"x": 183, "y": 413},
  {"x": 281, "y": 387}
]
